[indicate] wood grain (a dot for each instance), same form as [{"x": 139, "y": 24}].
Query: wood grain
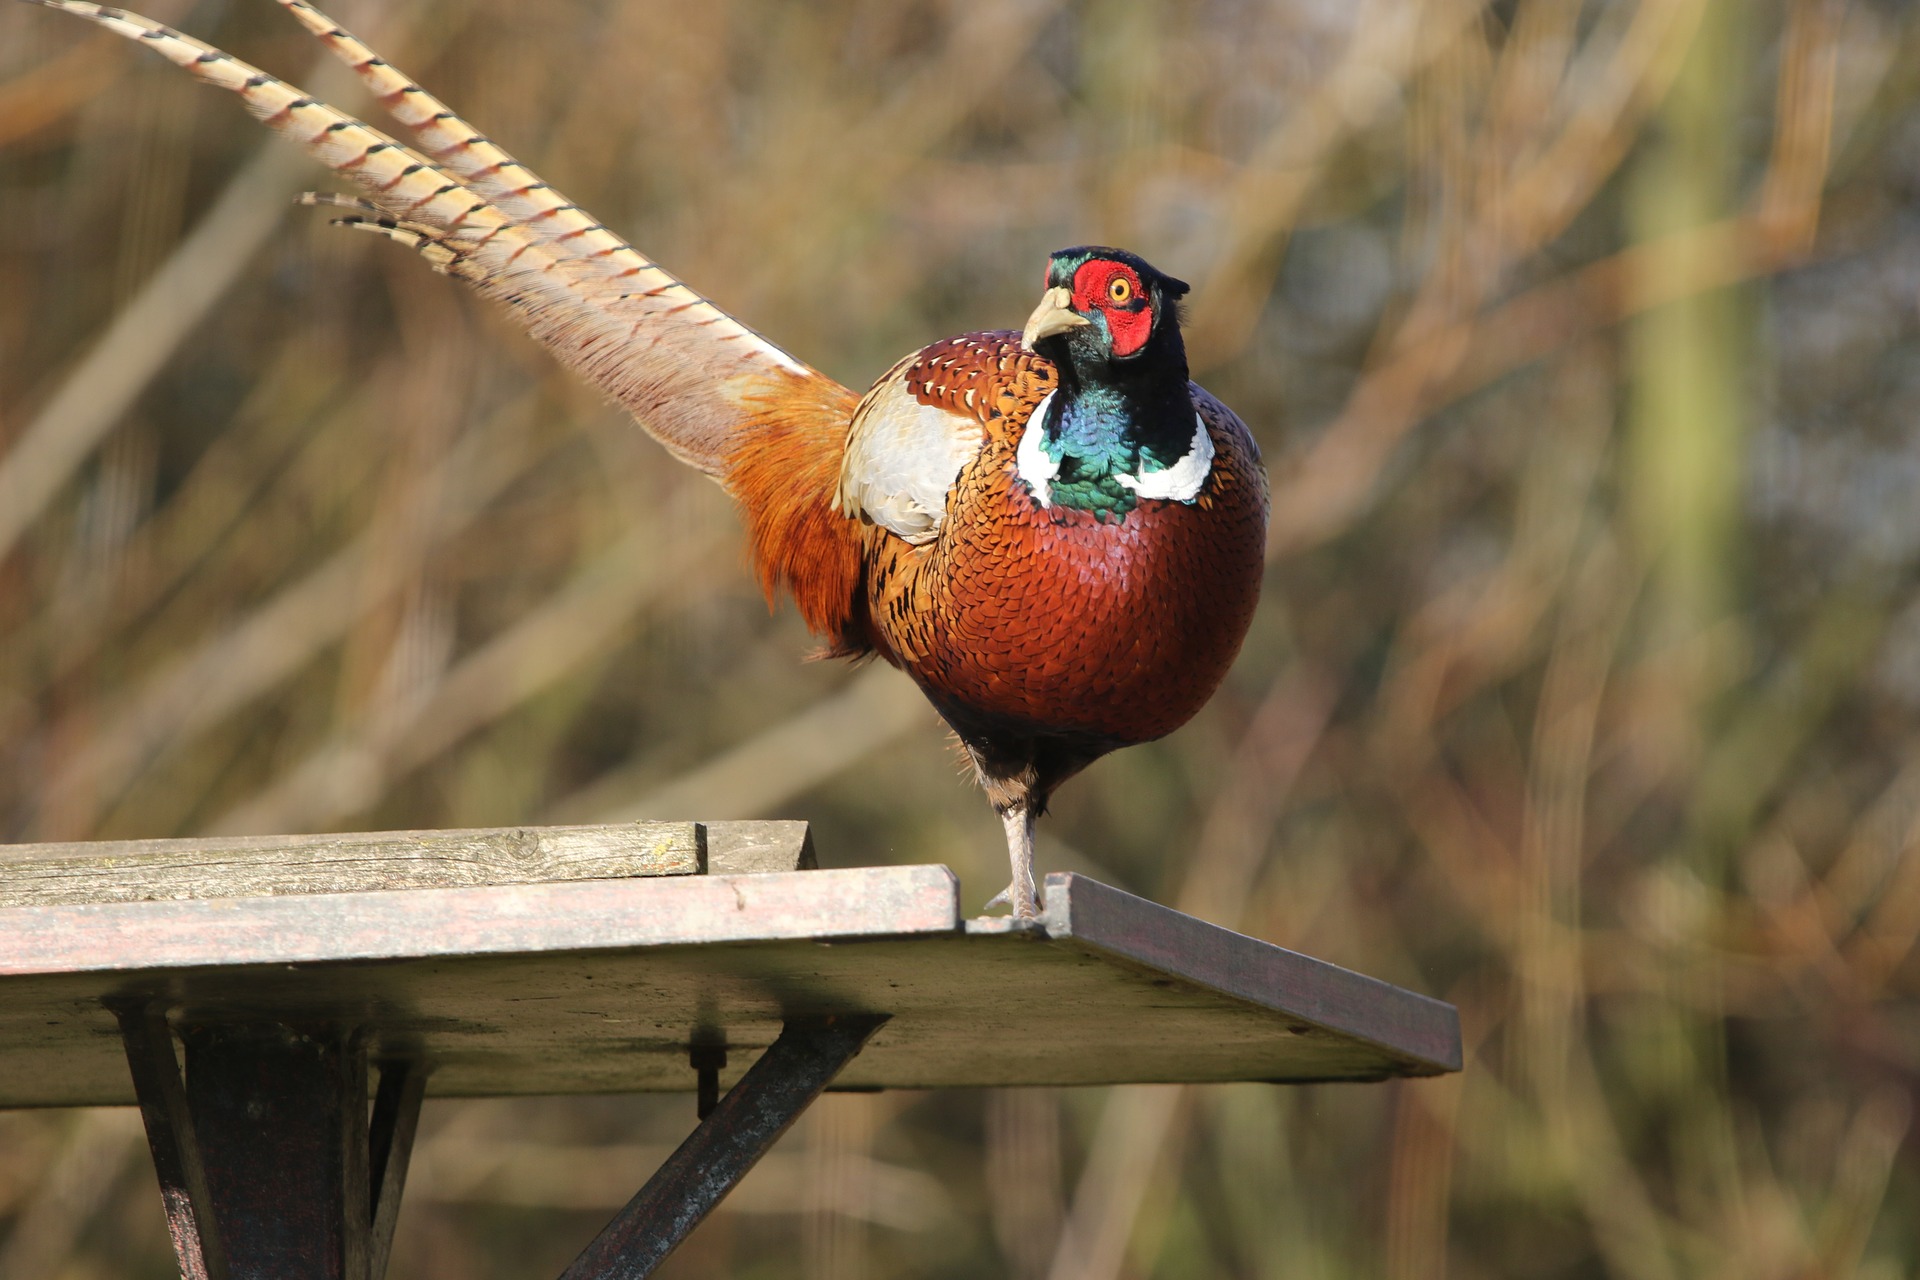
[
  {"x": 44, "y": 875},
  {"x": 510, "y": 921},
  {"x": 600, "y": 987},
  {"x": 752, "y": 848}
]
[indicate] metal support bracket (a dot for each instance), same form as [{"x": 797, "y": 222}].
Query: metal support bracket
[
  {"x": 727, "y": 1143},
  {"x": 396, "y": 1118},
  {"x": 707, "y": 1060},
  {"x": 170, "y": 1135},
  {"x": 268, "y": 1167}
]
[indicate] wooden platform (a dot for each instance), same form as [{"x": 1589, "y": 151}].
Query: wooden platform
[
  {"x": 644, "y": 956},
  {"x": 603, "y": 984}
]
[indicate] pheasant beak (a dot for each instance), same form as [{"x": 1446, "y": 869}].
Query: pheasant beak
[{"x": 1055, "y": 314}]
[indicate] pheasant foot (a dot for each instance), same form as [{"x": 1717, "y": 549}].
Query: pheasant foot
[{"x": 1020, "y": 896}]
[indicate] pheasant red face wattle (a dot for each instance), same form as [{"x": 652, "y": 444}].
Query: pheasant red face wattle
[{"x": 1114, "y": 290}]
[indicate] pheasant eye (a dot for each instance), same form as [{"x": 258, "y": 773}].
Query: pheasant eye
[{"x": 1120, "y": 290}]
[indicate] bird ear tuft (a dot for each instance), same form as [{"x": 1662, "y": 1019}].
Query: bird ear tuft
[{"x": 1176, "y": 289}]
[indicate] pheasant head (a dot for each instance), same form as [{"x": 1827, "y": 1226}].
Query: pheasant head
[
  {"x": 1122, "y": 426},
  {"x": 1107, "y": 312}
]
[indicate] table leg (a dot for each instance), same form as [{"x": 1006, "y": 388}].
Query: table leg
[
  {"x": 281, "y": 1117},
  {"x": 270, "y": 1171},
  {"x": 268, "y": 1167}
]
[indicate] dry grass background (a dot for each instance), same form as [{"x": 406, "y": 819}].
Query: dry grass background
[{"x": 1582, "y": 342}]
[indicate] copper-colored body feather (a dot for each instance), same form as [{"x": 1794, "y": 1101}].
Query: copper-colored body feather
[{"x": 1050, "y": 619}]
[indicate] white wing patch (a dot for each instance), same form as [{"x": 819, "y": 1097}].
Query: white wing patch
[
  {"x": 1180, "y": 482},
  {"x": 1030, "y": 461},
  {"x": 902, "y": 458}
]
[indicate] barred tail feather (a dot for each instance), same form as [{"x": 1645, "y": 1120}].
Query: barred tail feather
[
  {"x": 718, "y": 395},
  {"x": 399, "y": 182},
  {"x": 605, "y": 267},
  {"x": 482, "y": 164},
  {"x": 678, "y": 363}
]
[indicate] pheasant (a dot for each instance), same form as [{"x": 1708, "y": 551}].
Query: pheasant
[{"x": 1054, "y": 533}]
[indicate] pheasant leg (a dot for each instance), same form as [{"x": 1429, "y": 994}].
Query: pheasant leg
[{"x": 1020, "y": 894}]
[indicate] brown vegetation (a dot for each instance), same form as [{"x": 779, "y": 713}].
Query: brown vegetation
[{"x": 1580, "y": 338}]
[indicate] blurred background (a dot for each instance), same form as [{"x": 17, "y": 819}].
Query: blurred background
[{"x": 1583, "y": 342}]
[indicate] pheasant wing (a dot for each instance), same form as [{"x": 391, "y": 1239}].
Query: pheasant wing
[{"x": 921, "y": 424}]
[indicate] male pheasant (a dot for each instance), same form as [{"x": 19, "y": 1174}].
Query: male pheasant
[{"x": 1053, "y": 532}]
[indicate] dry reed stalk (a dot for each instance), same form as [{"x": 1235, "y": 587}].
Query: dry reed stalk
[{"x": 1673, "y": 1073}]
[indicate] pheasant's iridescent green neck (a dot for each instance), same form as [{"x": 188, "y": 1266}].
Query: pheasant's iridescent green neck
[
  {"x": 1121, "y": 426},
  {"x": 1101, "y": 439}
]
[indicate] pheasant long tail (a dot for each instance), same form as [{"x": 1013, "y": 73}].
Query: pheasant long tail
[{"x": 718, "y": 395}]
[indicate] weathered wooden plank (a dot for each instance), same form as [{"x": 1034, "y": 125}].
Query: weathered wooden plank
[
  {"x": 602, "y": 986},
  {"x": 45, "y": 875},
  {"x": 751, "y": 848},
  {"x": 486, "y": 920}
]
